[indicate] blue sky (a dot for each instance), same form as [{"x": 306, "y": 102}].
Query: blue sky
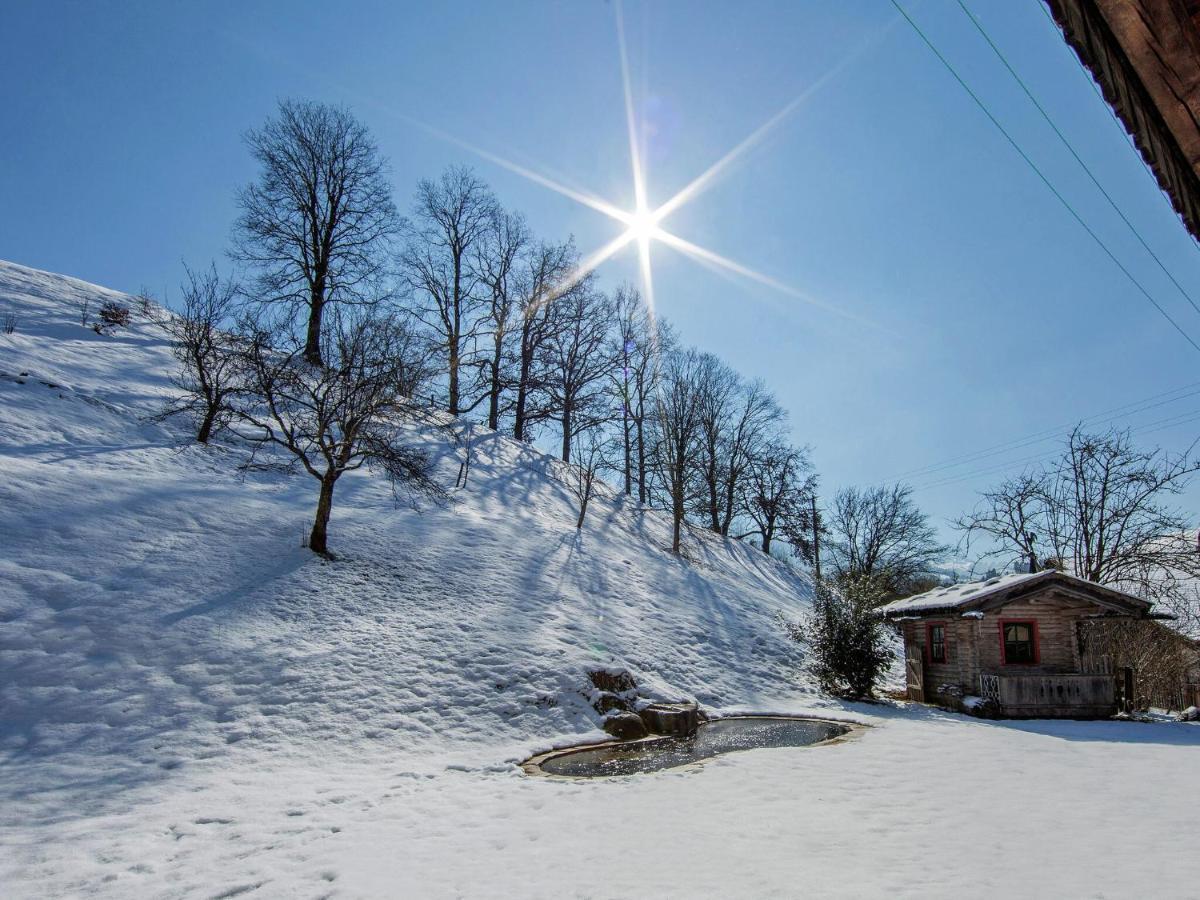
[{"x": 972, "y": 310}]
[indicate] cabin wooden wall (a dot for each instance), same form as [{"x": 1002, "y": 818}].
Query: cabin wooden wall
[
  {"x": 973, "y": 643},
  {"x": 1055, "y": 615},
  {"x": 960, "y": 656}
]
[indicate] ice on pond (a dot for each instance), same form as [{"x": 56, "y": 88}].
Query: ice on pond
[{"x": 711, "y": 739}]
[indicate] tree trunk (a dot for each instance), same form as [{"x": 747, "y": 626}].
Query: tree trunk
[
  {"x": 206, "y": 426},
  {"x": 317, "y": 541},
  {"x": 312, "y": 340},
  {"x": 714, "y": 504},
  {"x": 453, "y": 360},
  {"x": 566, "y": 433},
  {"x": 727, "y": 514},
  {"x": 816, "y": 529},
  {"x": 494, "y": 400},
  {"x": 641, "y": 468},
  {"x": 626, "y": 434},
  {"x": 583, "y": 503},
  {"x": 522, "y": 397}
]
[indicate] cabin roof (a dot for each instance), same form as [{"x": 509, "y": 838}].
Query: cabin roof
[
  {"x": 1145, "y": 55},
  {"x": 965, "y": 598}
]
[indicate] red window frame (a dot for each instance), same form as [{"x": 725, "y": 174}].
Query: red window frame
[
  {"x": 929, "y": 626},
  {"x": 1037, "y": 642}
]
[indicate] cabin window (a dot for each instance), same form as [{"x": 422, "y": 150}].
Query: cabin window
[
  {"x": 1018, "y": 642},
  {"x": 935, "y": 641}
]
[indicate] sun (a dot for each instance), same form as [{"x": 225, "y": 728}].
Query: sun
[{"x": 643, "y": 225}]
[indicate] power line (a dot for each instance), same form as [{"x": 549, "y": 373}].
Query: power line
[
  {"x": 1109, "y": 415},
  {"x": 1148, "y": 428},
  {"x": 1066, "y": 143},
  {"x": 1049, "y": 184}
]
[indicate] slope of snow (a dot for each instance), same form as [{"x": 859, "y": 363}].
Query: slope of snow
[{"x": 193, "y": 705}]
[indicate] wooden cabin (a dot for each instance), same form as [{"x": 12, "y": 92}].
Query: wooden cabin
[{"x": 1014, "y": 646}]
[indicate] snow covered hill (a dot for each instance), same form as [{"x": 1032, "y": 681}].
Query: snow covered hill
[{"x": 158, "y": 612}]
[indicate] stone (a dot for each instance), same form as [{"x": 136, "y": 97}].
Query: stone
[
  {"x": 625, "y": 726},
  {"x": 1191, "y": 714},
  {"x": 606, "y": 703},
  {"x": 614, "y": 681},
  {"x": 680, "y": 719}
]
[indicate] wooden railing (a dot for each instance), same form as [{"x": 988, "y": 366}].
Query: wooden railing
[{"x": 1057, "y": 694}]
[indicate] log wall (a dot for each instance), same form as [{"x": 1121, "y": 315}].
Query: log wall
[{"x": 973, "y": 645}]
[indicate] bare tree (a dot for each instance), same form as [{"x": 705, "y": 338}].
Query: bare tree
[
  {"x": 497, "y": 259},
  {"x": 738, "y": 420},
  {"x": 633, "y": 326},
  {"x": 546, "y": 270},
  {"x": 640, "y": 340},
  {"x": 203, "y": 344},
  {"x": 1101, "y": 512},
  {"x": 335, "y": 418},
  {"x": 716, "y": 384},
  {"x": 677, "y": 448},
  {"x": 754, "y": 427},
  {"x": 646, "y": 383},
  {"x": 579, "y": 361},
  {"x": 880, "y": 534},
  {"x": 317, "y": 223},
  {"x": 779, "y": 485},
  {"x": 590, "y": 459},
  {"x": 452, "y": 217}
]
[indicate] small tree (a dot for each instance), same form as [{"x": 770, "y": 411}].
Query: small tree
[
  {"x": 204, "y": 346},
  {"x": 497, "y": 259},
  {"x": 452, "y": 218},
  {"x": 578, "y": 361},
  {"x": 317, "y": 223},
  {"x": 590, "y": 458},
  {"x": 545, "y": 273},
  {"x": 641, "y": 341},
  {"x": 338, "y": 417},
  {"x": 780, "y": 486},
  {"x": 846, "y": 637},
  {"x": 677, "y": 451},
  {"x": 881, "y": 534}
]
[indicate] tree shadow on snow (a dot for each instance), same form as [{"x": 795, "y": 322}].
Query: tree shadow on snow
[{"x": 1111, "y": 731}]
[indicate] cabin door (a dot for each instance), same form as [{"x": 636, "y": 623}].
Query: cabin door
[{"x": 915, "y": 673}]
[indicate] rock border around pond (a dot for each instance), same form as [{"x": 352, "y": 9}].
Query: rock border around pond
[{"x": 533, "y": 765}]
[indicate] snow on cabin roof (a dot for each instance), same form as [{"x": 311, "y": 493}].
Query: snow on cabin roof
[
  {"x": 972, "y": 594},
  {"x": 956, "y": 595}
]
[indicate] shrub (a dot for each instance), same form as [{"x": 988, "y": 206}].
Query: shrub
[
  {"x": 145, "y": 303},
  {"x": 114, "y": 314},
  {"x": 10, "y": 322},
  {"x": 846, "y": 637}
]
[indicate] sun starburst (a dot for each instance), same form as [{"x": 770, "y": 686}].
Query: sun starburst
[{"x": 644, "y": 224}]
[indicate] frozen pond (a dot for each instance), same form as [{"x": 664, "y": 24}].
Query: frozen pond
[{"x": 711, "y": 739}]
